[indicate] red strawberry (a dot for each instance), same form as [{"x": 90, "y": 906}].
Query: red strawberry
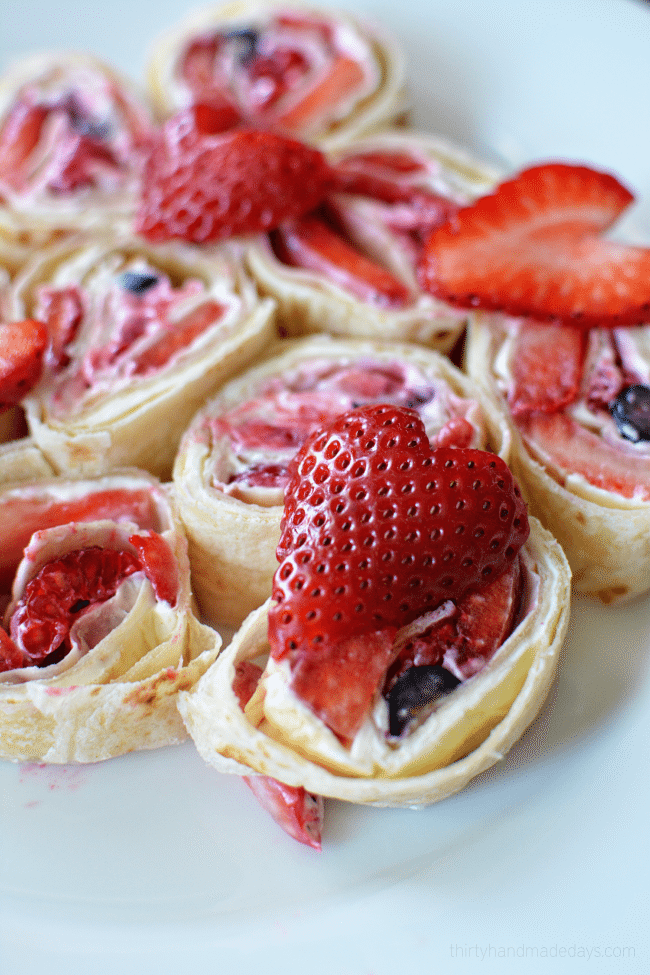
[
  {"x": 562, "y": 443},
  {"x": 52, "y": 600},
  {"x": 547, "y": 368},
  {"x": 377, "y": 530},
  {"x": 10, "y": 656},
  {"x": 298, "y": 812},
  {"x": 22, "y": 346},
  {"x": 311, "y": 244},
  {"x": 533, "y": 247},
  {"x": 204, "y": 187},
  {"x": 159, "y": 565}
]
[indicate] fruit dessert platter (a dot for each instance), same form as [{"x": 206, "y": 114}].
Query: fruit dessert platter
[{"x": 229, "y": 307}]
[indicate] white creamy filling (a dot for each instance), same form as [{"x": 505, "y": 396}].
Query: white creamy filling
[{"x": 341, "y": 387}]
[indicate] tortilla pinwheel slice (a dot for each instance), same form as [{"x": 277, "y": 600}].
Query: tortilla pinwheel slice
[
  {"x": 467, "y": 729},
  {"x": 231, "y": 466},
  {"x": 350, "y": 268},
  {"x": 73, "y": 135},
  {"x": 319, "y": 75},
  {"x": 98, "y": 633},
  {"x": 576, "y": 402},
  {"x": 139, "y": 336}
]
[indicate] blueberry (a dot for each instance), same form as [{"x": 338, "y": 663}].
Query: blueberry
[
  {"x": 247, "y": 38},
  {"x": 413, "y": 690},
  {"x": 137, "y": 282},
  {"x": 631, "y": 412}
]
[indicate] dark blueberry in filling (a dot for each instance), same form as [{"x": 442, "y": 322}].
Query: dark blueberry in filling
[
  {"x": 247, "y": 39},
  {"x": 86, "y": 124},
  {"x": 631, "y": 412},
  {"x": 413, "y": 691},
  {"x": 137, "y": 282}
]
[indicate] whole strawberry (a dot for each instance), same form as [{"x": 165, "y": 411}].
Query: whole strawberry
[
  {"x": 379, "y": 529},
  {"x": 203, "y": 185}
]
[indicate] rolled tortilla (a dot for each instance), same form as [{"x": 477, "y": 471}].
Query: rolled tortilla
[
  {"x": 144, "y": 335},
  {"x": 412, "y": 180},
  {"x": 115, "y": 688},
  {"x": 232, "y": 510},
  {"x": 471, "y": 729},
  {"x": 604, "y": 532},
  {"x": 72, "y": 137},
  {"x": 317, "y": 74}
]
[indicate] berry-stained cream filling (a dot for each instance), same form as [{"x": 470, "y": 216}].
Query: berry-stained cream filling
[
  {"x": 368, "y": 238},
  {"x": 76, "y": 559},
  {"x": 68, "y": 134},
  {"x": 414, "y": 673},
  {"x": 127, "y": 321},
  {"x": 293, "y": 72},
  {"x": 581, "y": 402},
  {"x": 253, "y": 443}
]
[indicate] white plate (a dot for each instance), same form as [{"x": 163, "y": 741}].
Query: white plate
[{"x": 154, "y": 863}]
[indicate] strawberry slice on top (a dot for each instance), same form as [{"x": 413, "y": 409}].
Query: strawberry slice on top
[
  {"x": 379, "y": 529},
  {"x": 535, "y": 247},
  {"x": 203, "y": 185}
]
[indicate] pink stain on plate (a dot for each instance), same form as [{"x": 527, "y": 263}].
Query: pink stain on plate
[{"x": 53, "y": 777}]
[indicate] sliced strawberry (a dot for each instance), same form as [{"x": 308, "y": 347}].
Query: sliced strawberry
[
  {"x": 298, "y": 812},
  {"x": 534, "y": 248},
  {"x": 208, "y": 187},
  {"x": 311, "y": 244},
  {"x": 377, "y": 530},
  {"x": 470, "y": 636},
  {"x": 19, "y": 136},
  {"x": 568, "y": 447},
  {"x": 547, "y": 368},
  {"x": 340, "y": 682},
  {"x": 356, "y": 175},
  {"x": 180, "y": 337},
  {"x": 344, "y": 75},
  {"x": 41, "y": 622},
  {"x": 23, "y": 516},
  {"x": 159, "y": 565},
  {"x": 11, "y": 658},
  {"x": 22, "y": 347},
  {"x": 62, "y": 311}
]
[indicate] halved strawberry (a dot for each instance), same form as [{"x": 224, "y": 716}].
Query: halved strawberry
[
  {"x": 311, "y": 244},
  {"x": 22, "y": 347},
  {"x": 377, "y": 530},
  {"x": 203, "y": 187},
  {"x": 534, "y": 247},
  {"x": 547, "y": 366},
  {"x": 298, "y": 812}
]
